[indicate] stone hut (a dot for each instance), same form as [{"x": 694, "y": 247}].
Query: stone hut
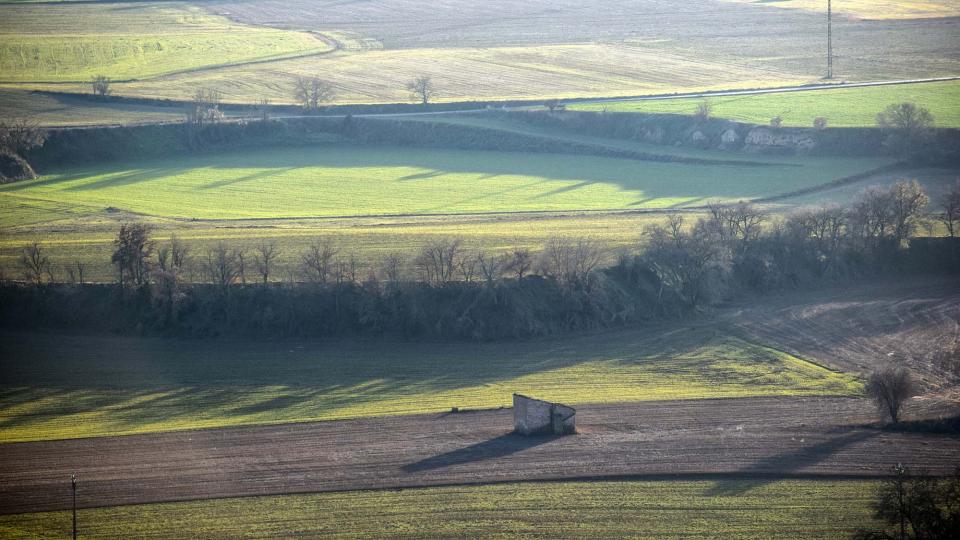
[{"x": 537, "y": 417}]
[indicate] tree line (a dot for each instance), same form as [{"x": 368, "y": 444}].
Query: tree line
[{"x": 448, "y": 289}]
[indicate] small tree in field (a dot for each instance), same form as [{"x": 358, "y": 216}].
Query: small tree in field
[
  {"x": 908, "y": 123},
  {"x": 704, "y": 110},
  {"x": 422, "y": 89},
  {"x": 950, "y": 210},
  {"x": 35, "y": 264},
  {"x": 311, "y": 92},
  {"x": 100, "y": 85},
  {"x": 820, "y": 122},
  {"x": 890, "y": 386},
  {"x": 204, "y": 108}
]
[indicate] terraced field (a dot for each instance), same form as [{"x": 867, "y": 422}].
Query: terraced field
[
  {"x": 842, "y": 107},
  {"x": 677, "y": 509}
]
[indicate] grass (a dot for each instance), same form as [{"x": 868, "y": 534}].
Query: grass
[
  {"x": 74, "y": 236},
  {"x": 842, "y": 107},
  {"x": 328, "y": 181},
  {"x": 67, "y": 387},
  {"x": 635, "y": 509},
  {"x": 73, "y": 43}
]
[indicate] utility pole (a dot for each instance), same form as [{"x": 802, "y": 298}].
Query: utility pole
[
  {"x": 829, "y": 39},
  {"x": 73, "y": 483}
]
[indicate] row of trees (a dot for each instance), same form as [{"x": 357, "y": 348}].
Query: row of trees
[{"x": 694, "y": 260}]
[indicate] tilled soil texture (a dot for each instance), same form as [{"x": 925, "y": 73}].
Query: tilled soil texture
[
  {"x": 860, "y": 328},
  {"x": 758, "y": 438}
]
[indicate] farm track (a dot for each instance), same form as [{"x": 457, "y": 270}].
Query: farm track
[{"x": 758, "y": 438}]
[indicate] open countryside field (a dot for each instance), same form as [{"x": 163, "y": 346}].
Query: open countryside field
[
  {"x": 534, "y": 50},
  {"x": 73, "y": 43},
  {"x": 842, "y": 107},
  {"x": 876, "y": 9},
  {"x": 157, "y": 385},
  {"x": 335, "y": 180},
  {"x": 676, "y": 509}
]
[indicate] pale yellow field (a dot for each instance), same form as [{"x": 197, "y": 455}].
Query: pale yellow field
[
  {"x": 465, "y": 74},
  {"x": 876, "y": 9}
]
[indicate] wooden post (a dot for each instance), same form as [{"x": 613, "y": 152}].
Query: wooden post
[{"x": 73, "y": 484}]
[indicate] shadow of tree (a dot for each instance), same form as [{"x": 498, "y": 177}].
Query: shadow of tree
[{"x": 788, "y": 462}]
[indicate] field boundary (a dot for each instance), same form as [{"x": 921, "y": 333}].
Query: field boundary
[{"x": 451, "y": 107}]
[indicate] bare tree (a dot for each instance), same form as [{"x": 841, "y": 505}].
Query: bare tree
[
  {"x": 221, "y": 265},
  {"x": 132, "y": 249},
  {"x": 204, "y": 108},
  {"x": 704, "y": 110},
  {"x": 554, "y": 105},
  {"x": 311, "y": 92},
  {"x": 76, "y": 272},
  {"x": 264, "y": 256},
  {"x": 871, "y": 215},
  {"x": 438, "y": 261},
  {"x": 468, "y": 265},
  {"x": 178, "y": 253},
  {"x": 21, "y": 134},
  {"x": 520, "y": 262},
  {"x": 241, "y": 265},
  {"x": 318, "y": 260},
  {"x": 571, "y": 262},
  {"x": 776, "y": 122},
  {"x": 492, "y": 267},
  {"x": 820, "y": 122},
  {"x": 909, "y": 124},
  {"x": 35, "y": 264},
  {"x": 950, "y": 214},
  {"x": 422, "y": 89},
  {"x": 908, "y": 199},
  {"x": 100, "y": 85},
  {"x": 392, "y": 266},
  {"x": 890, "y": 386}
]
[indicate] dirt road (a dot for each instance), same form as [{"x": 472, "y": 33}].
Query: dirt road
[{"x": 753, "y": 438}]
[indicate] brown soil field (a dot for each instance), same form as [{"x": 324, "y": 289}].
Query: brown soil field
[
  {"x": 758, "y": 439},
  {"x": 854, "y": 329}
]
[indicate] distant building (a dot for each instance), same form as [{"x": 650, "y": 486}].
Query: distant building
[{"x": 537, "y": 417}]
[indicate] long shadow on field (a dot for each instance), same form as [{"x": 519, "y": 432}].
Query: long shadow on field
[
  {"x": 497, "y": 447},
  {"x": 788, "y": 462}
]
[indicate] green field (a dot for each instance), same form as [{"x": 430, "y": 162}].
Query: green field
[
  {"x": 68, "y": 387},
  {"x": 328, "y": 181},
  {"x": 634, "y": 509},
  {"x": 842, "y": 107},
  {"x": 72, "y": 43}
]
